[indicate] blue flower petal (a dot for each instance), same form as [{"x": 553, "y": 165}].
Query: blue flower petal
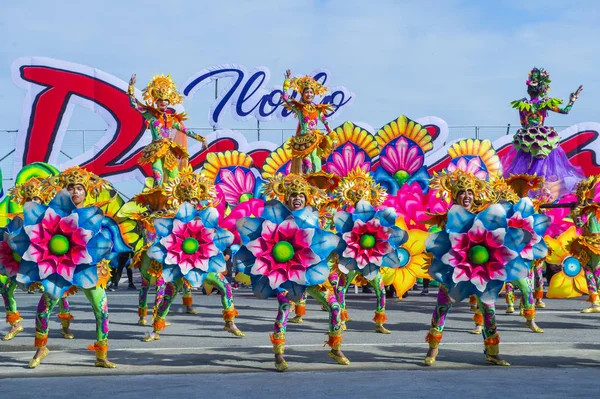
[
  {"x": 363, "y": 211},
  {"x": 525, "y": 206},
  {"x": 385, "y": 180},
  {"x": 209, "y": 217},
  {"x": 343, "y": 222},
  {"x": 223, "y": 238},
  {"x": 493, "y": 217},
  {"x": 15, "y": 224},
  {"x": 391, "y": 260},
  {"x": 157, "y": 252},
  {"x": 249, "y": 228},
  {"x": 517, "y": 269},
  {"x": 347, "y": 265},
  {"x": 387, "y": 216},
  {"x": 422, "y": 177},
  {"x": 294, "y": 290},
  {"x": 275, "y": 212},
  {"x": 459, "y": 220},
  {"x": 438, "y": 244},
  {"x": 462, "y": 290},
  {"x": 307, "y": 218},
  {"x": 323, "y": 243},
  {"x": 398, "y": 237},
  {"x": 196, "y": 277},
  {"x": 541, "y": 224},
  {"x": 33, "y": 213},
  {"x": 55, "y": 286},
  {"x": 110, "y": 229},
  {"x": 217, "y": 264},
  {"x": 62, "y": 203},
  {"x": 85, "y": 276},
  {"x": 441, "y": 272},
  {"x": 98, "y": 247},
  {"x": 515, "y": 239},
  {"x": 19, "y": 241},
  {"x": 90, "y": 218},
  {"x": 370, "y": 271},
  {"x": 261, "y": 287},
  {"x": 244, "y": 260},
  {"x": 490, "y": 296},
  {"x": 317, "y": 274},
  {"x": 186, "y": 212},
  {"x": 163, "y": 226},
  {"x": 28, "y": 273},
  {"x": 540, "y": 250},
  {"x": 171, "y": 273}
]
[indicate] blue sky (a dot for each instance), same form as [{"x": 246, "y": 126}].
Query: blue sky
[{"x": 463, "y": 61}]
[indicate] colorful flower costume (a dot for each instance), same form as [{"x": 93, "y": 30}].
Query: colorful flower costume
[
  {"x": 64, "y": 247},
  {"x": 536, "y": 149},
  {"x": 286, "y": 253},
  {"x": 163, "y": 153},
  {"x": 585, "y": 248},
  {"x": 189, "y": 248},
  {"x": 309, "y": 144},
  {"x": 475, "y": 254}
]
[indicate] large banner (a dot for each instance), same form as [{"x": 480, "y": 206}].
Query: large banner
[{"x": 54, "y": 88}]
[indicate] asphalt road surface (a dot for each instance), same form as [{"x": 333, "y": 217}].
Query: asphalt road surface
[{"x": 194, "y": 353}]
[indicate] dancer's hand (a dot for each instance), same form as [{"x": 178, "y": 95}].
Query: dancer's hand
[
  {"x": 132, "y": 80},
  {"x": 576, "y": 94},
  {"x": 288, "y": 74}
]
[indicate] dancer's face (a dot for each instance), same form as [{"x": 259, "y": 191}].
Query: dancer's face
[
  {"x": 533, "y": 91},
  {"x": 308, "y": 95},
  {"x": 77, "y": 192},
  {"x": 194, "y": 201},
  {"x": 296, "y": 202},
  {"x": 162, "y": 104},
  {"x": 37, "y": 200},
  {"x": 465, "y": 199}
]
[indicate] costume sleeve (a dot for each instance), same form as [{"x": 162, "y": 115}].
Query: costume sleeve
[
  {"x": 324, "y": 120},
  {"x": 554, "y": 106},
  {"x": 289, "y": 104},
  {"x": 135, "y": 104},
  {"x": 181, "y": 127}
]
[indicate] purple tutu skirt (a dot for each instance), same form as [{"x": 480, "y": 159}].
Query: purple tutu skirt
[{"x": 560, "y": 174}]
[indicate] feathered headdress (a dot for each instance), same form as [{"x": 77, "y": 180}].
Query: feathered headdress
[
  {"x": 449, "y": 184},
  {"x": 189, "y": 185},
  {"x": 32, "y": 188},
  {"x": 359, "y": 185},
  {"x": 93, "y": 184},
  {"x": 307, "y": 82},
  {"x": 539, "y": 77},
  {"x": 281, "y": 187}
]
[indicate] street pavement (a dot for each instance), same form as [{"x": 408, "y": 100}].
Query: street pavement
[{"x": 195, "y": 347}]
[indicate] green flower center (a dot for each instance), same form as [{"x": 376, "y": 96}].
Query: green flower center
[
  {"x": 245, "y": 197},
  {"x": 401, "y": 176},
  {"x": 282, "y": 252},
  {"x": 59, "y": 245},
  {"x": 190, "y": 245},
  {"x": 478, "y": 255},
  {"x": 16, "y": 257},
  {"x": 367, "y": 241}
]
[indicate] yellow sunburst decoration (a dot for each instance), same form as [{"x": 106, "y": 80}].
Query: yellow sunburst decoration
[
  {"x": 570, "y": 282},
  {"x": 477, "y": 148},
  {"x": 216, "y": 161},
  {"x": 416, "y": 262},
  {"x": 276, "y": 160},
  {"x": 359, "y": 185},
  {"x": 349, "y": 132},
  {"x": 162, "y": 87},
  {"x": 407, "y": 128},
  {"x": 104, "y": 273}
]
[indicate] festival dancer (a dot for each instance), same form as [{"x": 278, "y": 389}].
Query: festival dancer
[
  {"x": 67, "y": 244},
  {"x": 285, "y": 260},
  {"x": 164, "y": 153},
  {"x": 474, "y": 255},
  {"x": 189, "y": 247},
  {"x": 586, "y": 247},
  {"x": 33, "y": 190},
  {"x": 536, "y": 149},
  {"x": 309, "y": 144}
]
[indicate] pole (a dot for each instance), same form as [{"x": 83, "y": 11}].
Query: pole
[
  {"x": 258, "y": 130},
  {"x": 508, "y": 129},
  {"x": 216, "y": 95}
]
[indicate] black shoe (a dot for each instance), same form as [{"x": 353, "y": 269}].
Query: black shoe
[
  {"x": 366, "y": 290},
  {"x": 113, "y": 287},
  {"x": 425, "y": 292},
  {"x": 405, "y": 295},
  {"x": 131, "y": 287}
]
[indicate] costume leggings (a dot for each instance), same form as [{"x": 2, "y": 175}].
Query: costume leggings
[
  {"x": 214, "y": 279},
  {"x": 376, "y": 283},
  {"x": 325, "y": 298},
  {"x": 538, "y": 277},
  {"x": 159, "y": 172},
  {"x": 96, "y": 297},
  {"x": 592, "y": 274},
  {"x": 443, "y": 306},
  {"x": 143, "y": 297},
  {"x": 528, "y": 301},
  {"x": 7, "y": 289}
]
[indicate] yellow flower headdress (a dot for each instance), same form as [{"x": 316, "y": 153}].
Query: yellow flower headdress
[
  {"x": 190, "y": 185},
  {"x": 359, "y": 185},
  {"x": 281, "y": 187},
  {"x": 93, "y": 184},
  {"x": 307, "y": 82},
  {"x": 450, "y": 184},
  {"x": 586, "y": 188},
  {"x": 32, "y": 188},
  {"x": 155, "y": 199},
  {"x": 162, "y": 87}
]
